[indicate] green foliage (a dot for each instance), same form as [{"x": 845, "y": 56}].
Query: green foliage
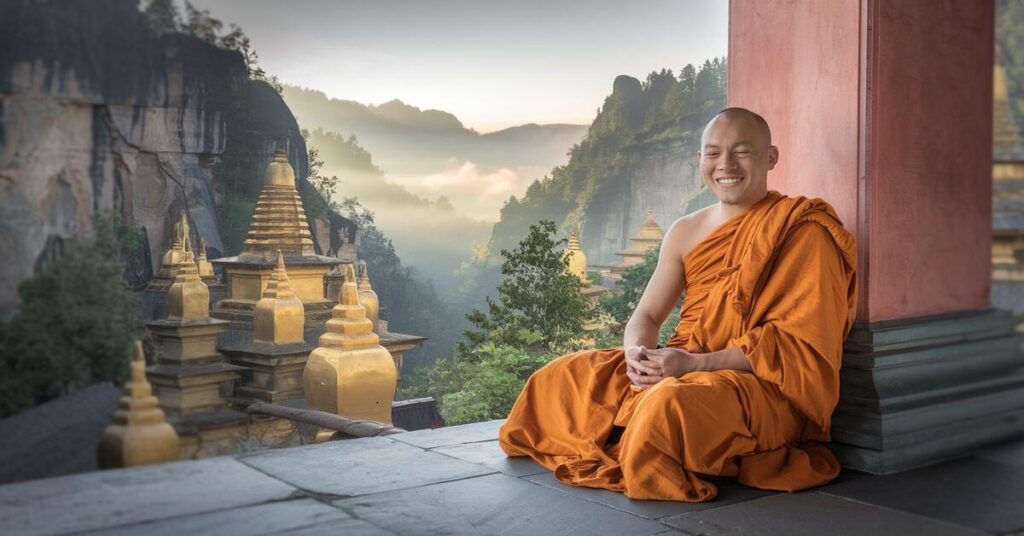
[
  {"x": 491, "y": 385},
  {"x": 479, "y": 388},
  {"x": 1010, "y": 47},
  {"x": 326, "y": 187},
  {"x": 620, "y": 305},
  {"x": 539, "y": 305},
  {"x": 163, "y": 17},
  {"x": 75, "y": 323},
  {"x": 634, "y": 280},
  {"x": 539, "y": 313},
  {"x": 663, "y": 109}
]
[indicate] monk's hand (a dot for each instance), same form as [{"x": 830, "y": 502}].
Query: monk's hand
[
  {"x": 674, "y": 362},
  {"x": 641, "y": 370}
]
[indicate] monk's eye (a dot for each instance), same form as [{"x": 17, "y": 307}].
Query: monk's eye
[
  {"x": 711, "y": 155},
  {"x": 742, "y": 153}
]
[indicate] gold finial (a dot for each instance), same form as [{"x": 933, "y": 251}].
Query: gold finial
[
  {"x": 279, "y": 317},
  {"x": 280, "y": 172},
  {"x": 139, "y": 434}
]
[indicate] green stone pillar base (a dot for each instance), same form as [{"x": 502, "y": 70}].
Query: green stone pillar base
[{"x": 917, "y": 391}]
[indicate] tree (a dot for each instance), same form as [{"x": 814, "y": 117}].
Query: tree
[
  {"x": 162, "y": 16},
  {"x": 620, "y": 305},
  {"x": 326, "y": 187},
  {"x": 75, "y": 324},
  {"x": 539, "y": 305}
]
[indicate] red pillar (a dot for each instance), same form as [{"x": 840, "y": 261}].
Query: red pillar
[{"x": 884, "y": 109}]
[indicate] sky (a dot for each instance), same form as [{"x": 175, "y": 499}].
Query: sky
[{"x": 494, "y": 64}]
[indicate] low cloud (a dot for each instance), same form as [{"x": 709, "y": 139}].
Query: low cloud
[
  {"x": 475, "y": 191},
  {"x": 468, "y": 176}
]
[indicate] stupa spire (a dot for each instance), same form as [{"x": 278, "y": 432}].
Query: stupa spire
[
  {"x": 279, "y": 220},
  {"x": 279, "y": 317},
  {"x": 368, "y": 298},
  {"x": 139, "y": 433},
  {"x": 188, "y": 298}
]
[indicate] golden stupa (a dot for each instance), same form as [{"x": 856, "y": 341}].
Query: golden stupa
[
  {"x": 577, "y": 259},
  {"x": 139, "y": 434},
  {"x": 173, "y": 258},
  {"x": 189, "y": 371},
  {"x": 351, "y": 374},
  {"x": 368, "y": 298},
  {"x": 648, "y": 238},
  {"x": 205, "y": 267},
  {"x": 278, "y": 353},
  {"x": 278, "y": 224}
]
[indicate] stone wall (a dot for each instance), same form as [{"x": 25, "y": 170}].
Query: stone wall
[
  {"x": 98, "y": 115},
  {"x": 663, "y": 177}
]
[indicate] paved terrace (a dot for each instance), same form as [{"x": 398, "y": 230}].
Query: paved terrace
[{"x": 457, "y": 481}]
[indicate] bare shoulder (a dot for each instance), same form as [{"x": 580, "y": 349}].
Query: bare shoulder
[{"x": 686, "y": 232}]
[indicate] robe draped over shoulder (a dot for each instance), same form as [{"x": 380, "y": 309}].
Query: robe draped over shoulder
[{"x": 778, "y": 282}]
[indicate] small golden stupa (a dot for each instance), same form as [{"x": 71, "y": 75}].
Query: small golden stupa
[
  {"x": 279, "y": 317},
  {"x": 139, "y": 434},
  {"x": 648, "y": 238},
  {"x": 278, "y": 353},
  {"x": 205, "y": 267},
  {"x": 351, "y": 374},
  {"x": 173, "y": 258},
  {"x": 190, "y": 372},
  {"x": 368, "y": 298},
  {"x": 278, "y": 224},
  {"x": 577, "y": 259}
]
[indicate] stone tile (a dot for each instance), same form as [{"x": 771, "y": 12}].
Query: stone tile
[
  {"x": 1011, "y": 452},
  {"x": 729, "y": 492},
  {"x": 809, "y": 513},
  {"x": 452, "y": 435},
  {"x": 488, "y": 453},
  {"x": 272, "y": 518},
  {"x": 360, "y": 466},
  {"x": 351, "y": 527},
  {"x": 973, "y": 492},
  {"x": 492, "y": 504},
  {"x": 104, "y": 499}
]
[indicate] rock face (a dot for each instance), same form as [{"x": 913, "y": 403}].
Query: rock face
[
  {"x": 663, "y": 177},
  {"x": 100, "y": 116}
]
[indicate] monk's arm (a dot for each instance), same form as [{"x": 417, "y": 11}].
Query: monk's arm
[
  {"x": 661, "y": 293},
  {"x": 729, "y": 358}
]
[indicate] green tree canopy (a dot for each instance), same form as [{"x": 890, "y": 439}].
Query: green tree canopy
[{"x": 539, "y": 305}]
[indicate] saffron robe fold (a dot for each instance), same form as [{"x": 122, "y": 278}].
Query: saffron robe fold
[{"x": 778, "y": 282}]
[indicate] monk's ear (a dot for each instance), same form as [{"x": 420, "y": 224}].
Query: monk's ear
[{"x": 773, "y": 156}]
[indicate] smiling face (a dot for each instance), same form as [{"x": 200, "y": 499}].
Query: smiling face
[{"x": 735, "y": 156}]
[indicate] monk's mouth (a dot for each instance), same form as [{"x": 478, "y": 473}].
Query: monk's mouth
[{"x": 729, "y": 181}]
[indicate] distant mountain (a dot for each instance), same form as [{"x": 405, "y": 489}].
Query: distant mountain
[
  {"x": 406, "y": 140},
  {"x": 638, "y": 155}
]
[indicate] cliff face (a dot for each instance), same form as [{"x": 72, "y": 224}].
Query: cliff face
[
  {"x": 100, "y": 116},
  {"x": 663, "y": 177}
]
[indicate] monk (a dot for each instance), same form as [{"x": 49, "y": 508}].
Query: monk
[{"x": 746, "y": 386}]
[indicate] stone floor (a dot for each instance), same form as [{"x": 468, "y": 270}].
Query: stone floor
[{"x": 457, "y": 481}]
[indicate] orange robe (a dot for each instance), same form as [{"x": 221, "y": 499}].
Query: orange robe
[{"x": 778, "y": 282}]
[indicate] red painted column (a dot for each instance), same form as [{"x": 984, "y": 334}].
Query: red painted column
[{"x": 884, "y": 109}]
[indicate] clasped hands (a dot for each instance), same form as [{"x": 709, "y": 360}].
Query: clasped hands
[{"x": 647, "y": 366}]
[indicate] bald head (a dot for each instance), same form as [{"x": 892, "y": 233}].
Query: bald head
[{"x": 758, "y": 126}]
